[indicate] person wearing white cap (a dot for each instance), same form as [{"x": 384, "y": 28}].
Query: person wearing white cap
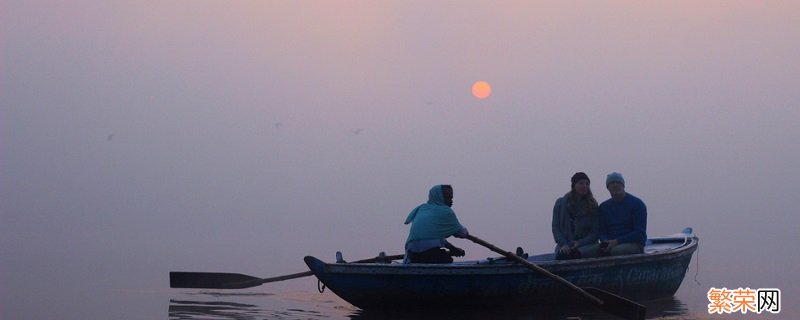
[{"x": 623, "y": 220}]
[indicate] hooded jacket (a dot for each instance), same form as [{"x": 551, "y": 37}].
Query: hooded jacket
[{"x": 433, "y": 219}]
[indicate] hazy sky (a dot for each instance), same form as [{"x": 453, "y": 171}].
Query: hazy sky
[{"x": 142, "y": 137}]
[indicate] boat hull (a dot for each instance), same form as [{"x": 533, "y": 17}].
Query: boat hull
[{"x": 503, "y": 284}]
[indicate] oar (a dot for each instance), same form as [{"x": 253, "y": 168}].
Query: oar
[
  {"x": 607, "y": 301},
  {"x": 222, "y": 280}
]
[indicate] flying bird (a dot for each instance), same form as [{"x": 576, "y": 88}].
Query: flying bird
[
  {"x": 110, "y": 136},
  {"x": 357, "y": 131}
]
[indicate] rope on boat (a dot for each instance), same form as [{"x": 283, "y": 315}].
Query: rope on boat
[{"x": 320, "y": 286}]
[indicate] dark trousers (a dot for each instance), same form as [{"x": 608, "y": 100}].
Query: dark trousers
[{"x": 435, "y": 255}]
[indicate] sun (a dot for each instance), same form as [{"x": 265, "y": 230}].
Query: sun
[{"x": 481, "y": 90}]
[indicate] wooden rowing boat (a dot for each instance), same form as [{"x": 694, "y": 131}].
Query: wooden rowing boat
[{"x": 498, "y": 282}]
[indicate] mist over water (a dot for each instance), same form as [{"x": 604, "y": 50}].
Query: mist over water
[{"x": 138, "y": 139}]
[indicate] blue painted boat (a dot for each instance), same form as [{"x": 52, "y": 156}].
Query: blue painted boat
[{"x": 656, "y": 273}]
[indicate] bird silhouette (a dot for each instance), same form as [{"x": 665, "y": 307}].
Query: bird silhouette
[
  {"x": 278, "y": 125},
  {"x": 357, "y": 131},
  {"x": 110, "y": 136}
]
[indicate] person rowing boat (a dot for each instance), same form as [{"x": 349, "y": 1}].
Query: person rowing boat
[{"x": 431, "y": 224}]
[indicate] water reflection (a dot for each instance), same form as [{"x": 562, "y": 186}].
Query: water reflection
[
  {"x": 234, "y": 306},
  {"x": 670, "y": 307},
  {"x": 666, "y": 307},
  {"x": 571, "y": 312},
  {"x": 181, "y": 309},
  {"x": 251, "y": 306}
]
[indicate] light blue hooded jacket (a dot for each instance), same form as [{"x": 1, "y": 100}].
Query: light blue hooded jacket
[{"x": 434, "y": 219}]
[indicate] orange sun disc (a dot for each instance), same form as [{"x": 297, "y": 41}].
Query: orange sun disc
[{"x": 481, "y": 90}]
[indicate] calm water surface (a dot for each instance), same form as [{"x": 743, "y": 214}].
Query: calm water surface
[
  {"x": 312, "y": 305},
  {"x": 95, "y": 292},
  {"x": 85, "y": 296},
  {"x": 300, "y": 300}
]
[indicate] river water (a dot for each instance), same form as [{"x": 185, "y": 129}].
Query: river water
[
  {"x": 300, "y": 299},
  {"x": 309, "y": 304},
  {"x": 313, "y": 305},
  {"x": 94, "y": 292}
]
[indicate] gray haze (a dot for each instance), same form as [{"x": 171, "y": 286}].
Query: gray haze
[{"x": 138, "y": 138}]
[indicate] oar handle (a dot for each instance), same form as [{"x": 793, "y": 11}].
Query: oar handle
[{"x": 534, "y": 267}]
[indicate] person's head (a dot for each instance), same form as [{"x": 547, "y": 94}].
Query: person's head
[
  {"x": 580, "y": 192},
  {"x": 447, "y": 190},
  {"x": 580, "y": 184},
  {"x": 615, "y": 184}
]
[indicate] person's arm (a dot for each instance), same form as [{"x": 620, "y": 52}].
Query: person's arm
[
  {"x": 558, "y": 236},
  {"x": 461, "y": 233},
  {"x": 602, "y": 224}
]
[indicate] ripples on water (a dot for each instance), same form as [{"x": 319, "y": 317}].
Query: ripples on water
[
  {"x": 312, "y": 306},
  {"x": 233, "y": 306},
  {"x": 656, "y": 309}
]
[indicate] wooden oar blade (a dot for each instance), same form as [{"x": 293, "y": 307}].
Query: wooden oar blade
[
  {"x": 618, "y": 305},
  {"x": 221, "y": 280},
  {"x": 211, "y": 280}
]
